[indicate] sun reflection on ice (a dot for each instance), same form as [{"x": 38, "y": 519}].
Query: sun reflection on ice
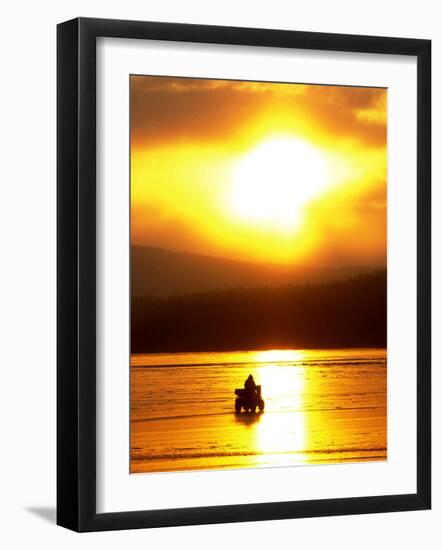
[
  {"x": 279, "y": 355},
  {"x": 281, "y": 432}
]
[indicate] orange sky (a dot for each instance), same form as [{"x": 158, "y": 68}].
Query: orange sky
[{"x": 285, "y": 173}]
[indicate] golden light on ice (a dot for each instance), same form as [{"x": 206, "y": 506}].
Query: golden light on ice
[
  {"x": 279, "y": 355},
  {"x": 280, "y": 433},
  {"x": 273, "y": 182}
]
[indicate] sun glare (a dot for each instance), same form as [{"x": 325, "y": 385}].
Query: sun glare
[{"x": 273, "y": 182}]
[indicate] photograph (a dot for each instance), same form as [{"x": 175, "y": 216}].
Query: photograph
[
  {"x": 258, "y": 274},
  {"x": 243, "y": 274}
]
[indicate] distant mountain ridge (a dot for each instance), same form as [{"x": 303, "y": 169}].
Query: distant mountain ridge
[
  {"x": 343, "y": 314},
  {"x": 160, "y": 272}
]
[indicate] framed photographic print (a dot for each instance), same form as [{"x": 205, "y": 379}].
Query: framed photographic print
[{"x": 243, "y": 274}]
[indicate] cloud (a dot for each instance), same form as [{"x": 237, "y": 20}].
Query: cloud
[
  {"x": 188, "y": 135},
  {"x": 166, "y": 110}
]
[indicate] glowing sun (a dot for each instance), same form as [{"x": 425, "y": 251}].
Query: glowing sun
[{"x": 273, "y": 182}]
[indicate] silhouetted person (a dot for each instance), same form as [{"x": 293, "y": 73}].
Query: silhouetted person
[{"x": 250, "y": 386}]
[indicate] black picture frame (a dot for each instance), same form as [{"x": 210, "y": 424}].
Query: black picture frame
[{"x": 76, "y": 274}]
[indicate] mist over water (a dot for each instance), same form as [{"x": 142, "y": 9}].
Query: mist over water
[{"x": 321, "y": 406}]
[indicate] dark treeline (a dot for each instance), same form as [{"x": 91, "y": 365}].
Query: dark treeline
[{"x": 349, "y": 313}]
